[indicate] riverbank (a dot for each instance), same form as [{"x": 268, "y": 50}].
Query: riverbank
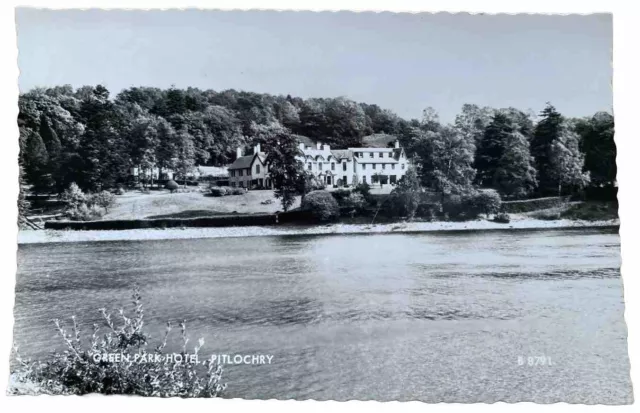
[{"x": 47, "y": 236}]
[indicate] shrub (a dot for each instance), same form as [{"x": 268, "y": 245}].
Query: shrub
[
  {"x": 172, "y": 185},
  {"x": 119, "y": 191},
  {"x": 502, "y": 218},
  {"x": 83, "y": 212},
  {"x": 322, "y": 205},
  {"x": 428, "y": 211},
  {"x": 483, "y": 202},
  {"x": 364, "y": 189},
  {"x": 592, "y": 211},
  {"x": 73, "y": 196},
  {"x": 471, "y": 206},
  {"x": 340, "y": 195},
  {"x": 218, "y": 191},
  {"x": 104, "y": 199},
  {"x": 355, "y": 200},
  {"x": 77, "y": 371},
  {"x": 313, "y": 183}
]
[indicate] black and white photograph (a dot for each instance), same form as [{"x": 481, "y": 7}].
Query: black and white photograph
[{"x": 301, "y": 205}]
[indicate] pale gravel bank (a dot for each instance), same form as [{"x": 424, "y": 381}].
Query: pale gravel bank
[{"x": 46, "y": 236}]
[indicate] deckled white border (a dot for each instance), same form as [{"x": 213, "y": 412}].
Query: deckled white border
[{"x": 627, "y": 115}]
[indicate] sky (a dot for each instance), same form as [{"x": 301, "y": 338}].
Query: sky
[{"x": 403, "y": 62}]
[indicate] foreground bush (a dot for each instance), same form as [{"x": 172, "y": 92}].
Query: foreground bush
[
  {"x": 75, "y": 371},
  {"x": 322, "y": 205}
]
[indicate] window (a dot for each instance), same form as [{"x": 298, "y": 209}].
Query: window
[
  {"x": 370, "y": 154},
  {"x": 383, "y": 166},
  {"x": 248, "y": 171},
  {"x": 380, "y": 154},
  {"x": 233, "y": 184},
  {"x": 240, "y": 172},
  {"x": 364, "y": 179},
  {"x": 390, "y": 155},
  {"x": 233, "y": 173},
  {"x": 333, "y": 166},
  {"x": 393, "y": 166},
  {"x": 402, "y": 166},
  {"x": 374, "y": 166},
  {"x": 319, "y": 166},
  {"x": 364, "y": 166},
  {"x": 344, "y": 166},
  {"x": 257, "y": 169},
  {"x": 309, "y": 167}
]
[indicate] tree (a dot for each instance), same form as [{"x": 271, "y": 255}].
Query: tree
[
  {"x": 473, "y": 120},
  {"x": 167, "y": 149},
  {"x": 490, "y": 148},
  {"x": 185, "y": 160},
  {"x": 144, "y": 141},
  {"x": 405, "y": 197},
  {"x": 599, "y": 147},
  {"x": 444, "y": 161},
  {"x": 285, "y": 169},
  {"x": 23, "y": 203},
  {"x": 36, "y": 163},
  {"x": 567, "y": 162},
  {"x": 430, "y": 119},
  {"x": 515, "y": 175},
  {"x": 545, "y": 134}
]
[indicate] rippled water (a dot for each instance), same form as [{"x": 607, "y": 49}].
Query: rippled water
[{"x": 432, "y": 317}]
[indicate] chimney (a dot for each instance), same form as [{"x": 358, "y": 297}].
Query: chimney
[
  {"x": 256, "y": 149},
  {"x": 318, "y": 145},
  {"x": 397, "y": 144},
  {"x": 301, "y": 146},
  {"x": 239, "y": 152},
  {"x": 327, "y": 148}
]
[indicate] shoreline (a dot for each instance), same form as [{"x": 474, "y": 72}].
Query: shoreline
[{"x": 54, "y": 236}]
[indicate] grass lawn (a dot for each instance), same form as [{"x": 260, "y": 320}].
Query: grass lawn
[{"x": 137, "y": 205}]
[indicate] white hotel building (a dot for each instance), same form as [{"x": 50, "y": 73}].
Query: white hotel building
[
  {"x": 352, "y": 166},
  {"x": 334, "y": 167}
]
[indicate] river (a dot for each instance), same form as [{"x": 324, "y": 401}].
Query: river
[{"x": 432, "y": 317}]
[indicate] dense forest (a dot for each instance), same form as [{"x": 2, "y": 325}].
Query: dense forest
[{"x": 91, "y": 138}]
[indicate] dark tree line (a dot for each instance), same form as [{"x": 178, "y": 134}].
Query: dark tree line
[{"x": 91, "y": 138}]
